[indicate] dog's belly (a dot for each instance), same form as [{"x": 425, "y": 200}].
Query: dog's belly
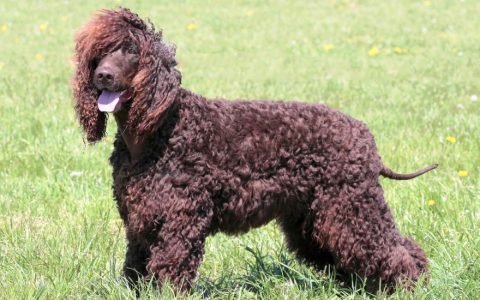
[{"x": 253, "y": 204}]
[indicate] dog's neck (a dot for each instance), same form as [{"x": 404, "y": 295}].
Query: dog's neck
[{"x": 135, "y": 148}]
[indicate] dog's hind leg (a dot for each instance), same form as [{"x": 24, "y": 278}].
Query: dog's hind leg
[
  {"x": 355, "y": 223},
  {"x": 298, "y": 236}
]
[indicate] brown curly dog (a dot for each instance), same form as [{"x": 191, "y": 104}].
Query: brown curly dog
[{"x": 185, "y": 167}]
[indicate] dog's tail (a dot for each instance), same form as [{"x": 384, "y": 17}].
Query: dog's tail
[{"x": 386, "y": 172}]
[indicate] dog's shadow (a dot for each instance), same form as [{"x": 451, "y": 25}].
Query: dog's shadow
[{"x": 265, "y": 272}]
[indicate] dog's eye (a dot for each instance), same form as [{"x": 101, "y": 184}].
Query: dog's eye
[
  {"x": 95, "y": 62},
  {"x": 132, "y": 49}
]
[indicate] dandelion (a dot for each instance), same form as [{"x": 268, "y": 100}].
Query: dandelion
[
  {"x": 400, "y": 50},
  {"x": 474, "y": 98},
  {"x": 4, "y": 28},
  {"x": 431, "y": 202},
  {"x": 327, "y": 47},
  {"x": 43, "y": 26},
  {"x": 191, "y": 27},
  {"x": 463, "y": 173},
  {"x": 451, "y": 139},
  {"x": 374, "y": 51},
  {"x": 427, "y": 3},
  {"x": 39, "y": 57},
  {"x": 249, "y": 12}
]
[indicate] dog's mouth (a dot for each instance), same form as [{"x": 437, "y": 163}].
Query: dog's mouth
[{"x": 112, "y": 101}]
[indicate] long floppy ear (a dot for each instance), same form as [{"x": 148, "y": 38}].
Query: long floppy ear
[
  {"x": 156, "y": 85},
  {"x": 91, "y": 119}
]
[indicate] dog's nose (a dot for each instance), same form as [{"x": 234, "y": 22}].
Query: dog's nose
[{"x": 104, "y": 76}]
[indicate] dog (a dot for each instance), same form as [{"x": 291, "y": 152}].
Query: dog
[{"x": 185, "y": 167}]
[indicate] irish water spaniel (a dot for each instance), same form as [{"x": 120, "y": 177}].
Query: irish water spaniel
[{"x": 185, "y": 167}]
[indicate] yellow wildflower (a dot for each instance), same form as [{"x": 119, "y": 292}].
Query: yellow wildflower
[
  {"x": 39, "y": 57},
  {"x": 4, "y": 28},
  {"x": 374, "y": 51},
  {"x": 400, "y": 50},
  {"x": 249, "y": 12},
  {"x": 463, "y": 173},
  {"x": 43, "y": 26},
  {"x": 327, "y": 47},
  {"x": 191, "y": 26},
  {"x": 431, "y": 202},
  {"x": 427, "y": 3},
  {"x": 451, "y": 139}
]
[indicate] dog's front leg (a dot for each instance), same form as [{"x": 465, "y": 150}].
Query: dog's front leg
[
  {"x": 136, "y": 258},
  {"x": 179, "y": 247}
]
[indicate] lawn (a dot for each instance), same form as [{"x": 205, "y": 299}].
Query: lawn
[{"x": 409, "y": 69}]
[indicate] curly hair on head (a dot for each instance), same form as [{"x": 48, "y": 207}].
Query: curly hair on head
[{"x": 107, "y": 31}]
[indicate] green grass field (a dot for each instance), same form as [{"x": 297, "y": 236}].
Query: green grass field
[{"x": 409, "y": 69}]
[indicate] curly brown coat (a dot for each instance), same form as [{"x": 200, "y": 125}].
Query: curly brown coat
[{"x": 206, "y": 166}]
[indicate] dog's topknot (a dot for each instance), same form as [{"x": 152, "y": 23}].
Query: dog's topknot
[{"x": 154, "y": 85}]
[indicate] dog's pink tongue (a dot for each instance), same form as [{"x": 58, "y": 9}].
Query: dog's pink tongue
[{"x": 107, "y": 102}]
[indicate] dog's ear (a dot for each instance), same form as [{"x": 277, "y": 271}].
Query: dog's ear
[
  {"x": 156, "y": 85},
  {"x": 85, "y": 94}
]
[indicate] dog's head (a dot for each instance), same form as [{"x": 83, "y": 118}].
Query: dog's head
[{"x": 122, "y": 63}]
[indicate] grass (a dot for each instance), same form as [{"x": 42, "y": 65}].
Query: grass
[{"x": 60, "y": 233}]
